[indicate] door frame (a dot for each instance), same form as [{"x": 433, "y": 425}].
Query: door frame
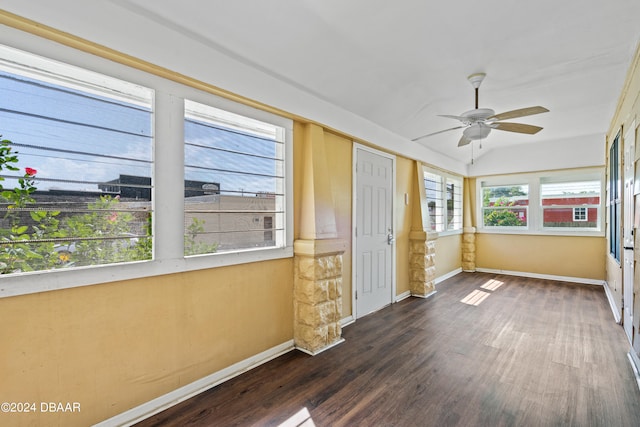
[{"x": 354, "y": 216}]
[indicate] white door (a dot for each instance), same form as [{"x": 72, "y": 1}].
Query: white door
[
  {"x": 374, "y": 241},
  {"x": 627, "y": 229}
]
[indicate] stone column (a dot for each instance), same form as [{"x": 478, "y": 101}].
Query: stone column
[
  {"x": 422, "y": 270},
  {"x": 468, "y": 230},
  {"x": 317, "y": 297},
  {"x": 469, "y": 249}
]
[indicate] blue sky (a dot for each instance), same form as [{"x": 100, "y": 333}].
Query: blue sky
[{"x": 101, "y": 138}]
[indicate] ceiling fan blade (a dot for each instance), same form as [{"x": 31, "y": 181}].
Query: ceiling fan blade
[
  {"x": 449, "y": 116},
  {"x": 517, "y": 127},
  {"x": 435, "y": 133},
  {"x": 464, "y": 141},
  {"x": 529, "y": 111}
]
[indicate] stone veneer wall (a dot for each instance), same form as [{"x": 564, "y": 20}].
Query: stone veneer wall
[
  {"x": 469, "y": 249},
  {"x": 422, "y": 270},
  {"x": 317, "y": 298}
]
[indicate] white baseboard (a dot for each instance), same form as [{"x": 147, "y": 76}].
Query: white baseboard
[
  {"x": 402, "y": 296},
  {"x": 617, "y": 313},
  {"x": 347, "y": 321},
  {"x": 430, "y": 294},
  {"x": 449, "y": 275},
  {"x": 544, "y": 276},
  {"x": 181, "y": 394},
  {"x": 323, "y": 349},
  {"x": 633, "y": 360}
]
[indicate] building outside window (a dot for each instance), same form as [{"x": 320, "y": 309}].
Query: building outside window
[{"x": 573, "y": 204}]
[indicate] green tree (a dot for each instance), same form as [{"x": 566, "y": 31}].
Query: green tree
[
  {"x": 493, "y": 192},
  {"x": 502, "y": 215},
  {"x": 103, "y": 235},
  {"x": 191, "y": 244}
]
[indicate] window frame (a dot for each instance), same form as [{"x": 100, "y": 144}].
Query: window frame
[
  {"x": 580, "y": 214},
  {"x": 281, "y": 139},
  {"x": 517, "y": 228},
  {"x": 535, "y": 224},
  {"x": 445, "y": 178},
  {"x": 614, "y": 198},
  {"x": 167, "y": 170}
]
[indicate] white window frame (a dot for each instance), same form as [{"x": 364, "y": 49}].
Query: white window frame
[
  {"x": 441, "y": 205},
  {"x": 168, "y": 192},
  {"x": 506, "y": 183},
  {"x": 580, "y": 214},
  {"x": 271, "y": 127},
  {"x": 535, "y": 208}
]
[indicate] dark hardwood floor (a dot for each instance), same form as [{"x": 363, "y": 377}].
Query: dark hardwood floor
[{"x": 531, "y": 352}]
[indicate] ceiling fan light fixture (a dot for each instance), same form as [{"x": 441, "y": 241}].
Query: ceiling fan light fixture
[{"x": 477, "y": 131}]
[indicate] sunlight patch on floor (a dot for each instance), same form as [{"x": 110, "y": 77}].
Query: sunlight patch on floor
[
  {"x": 492, "y": 285},
  {"x": 302, "y": 418},
  {"x": 475, "y": 298}
]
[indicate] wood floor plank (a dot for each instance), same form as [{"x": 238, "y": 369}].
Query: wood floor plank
[{"x": 523, "y": 352}]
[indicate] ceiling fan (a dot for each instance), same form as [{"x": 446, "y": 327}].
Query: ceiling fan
[{"x": 479, "y": 122}]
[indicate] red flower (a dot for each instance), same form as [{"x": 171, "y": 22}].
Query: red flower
[{"x": 30, "y": 171}]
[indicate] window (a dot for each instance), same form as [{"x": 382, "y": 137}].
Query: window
[
  {"x": 566, "y": 202},
  {"x": 91, "y": 165},
  {"x": 614, "y": 200},
  {"x": 580, "y": 214},
  {"x": 444, "y": 200},
  {"x": 573, "y": 204},
  {"x": 234, "y": 181},
  {"x": 76, "y": 185},
  {"x": 505, "y": 206}
]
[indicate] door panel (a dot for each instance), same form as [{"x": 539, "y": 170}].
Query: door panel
[
  {"x": 373, "y": 245},
  {"x": 627, "y": 229}
]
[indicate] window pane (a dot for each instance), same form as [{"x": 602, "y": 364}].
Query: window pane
[
  {"x": 614, "y": 200},
  {"x": 234, "y": 181},
  {"x": 571, "y": 204},
  {"x": 505, "y": 206},
  {"x": 77, "y": 190},
  {"x": 454, "y": 204},
  {"x": 433, "y": 190}
]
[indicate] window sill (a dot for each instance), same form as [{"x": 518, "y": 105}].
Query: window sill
[
  {"x": 41, "y": 281},
  {"x": 558, "y": 233},
  {"x": 449, "y": 233}
]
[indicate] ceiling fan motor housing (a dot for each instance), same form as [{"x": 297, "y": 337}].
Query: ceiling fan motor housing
[{"x": 476, "y": 116}]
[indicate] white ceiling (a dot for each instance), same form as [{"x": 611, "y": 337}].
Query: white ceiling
[{"x": 401, "y": 63}]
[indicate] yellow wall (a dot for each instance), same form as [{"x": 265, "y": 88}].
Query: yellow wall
[
  {"x": 578, "y": 257},
  {"x": 114, "y": 346},
  {"x": 448, "y": 254},
  {"x": 405, "y": 183},
  {"x": 339, "y": 151}
]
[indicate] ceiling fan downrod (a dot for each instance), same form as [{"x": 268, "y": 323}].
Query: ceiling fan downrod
[{"x": 475, "y": 80}]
